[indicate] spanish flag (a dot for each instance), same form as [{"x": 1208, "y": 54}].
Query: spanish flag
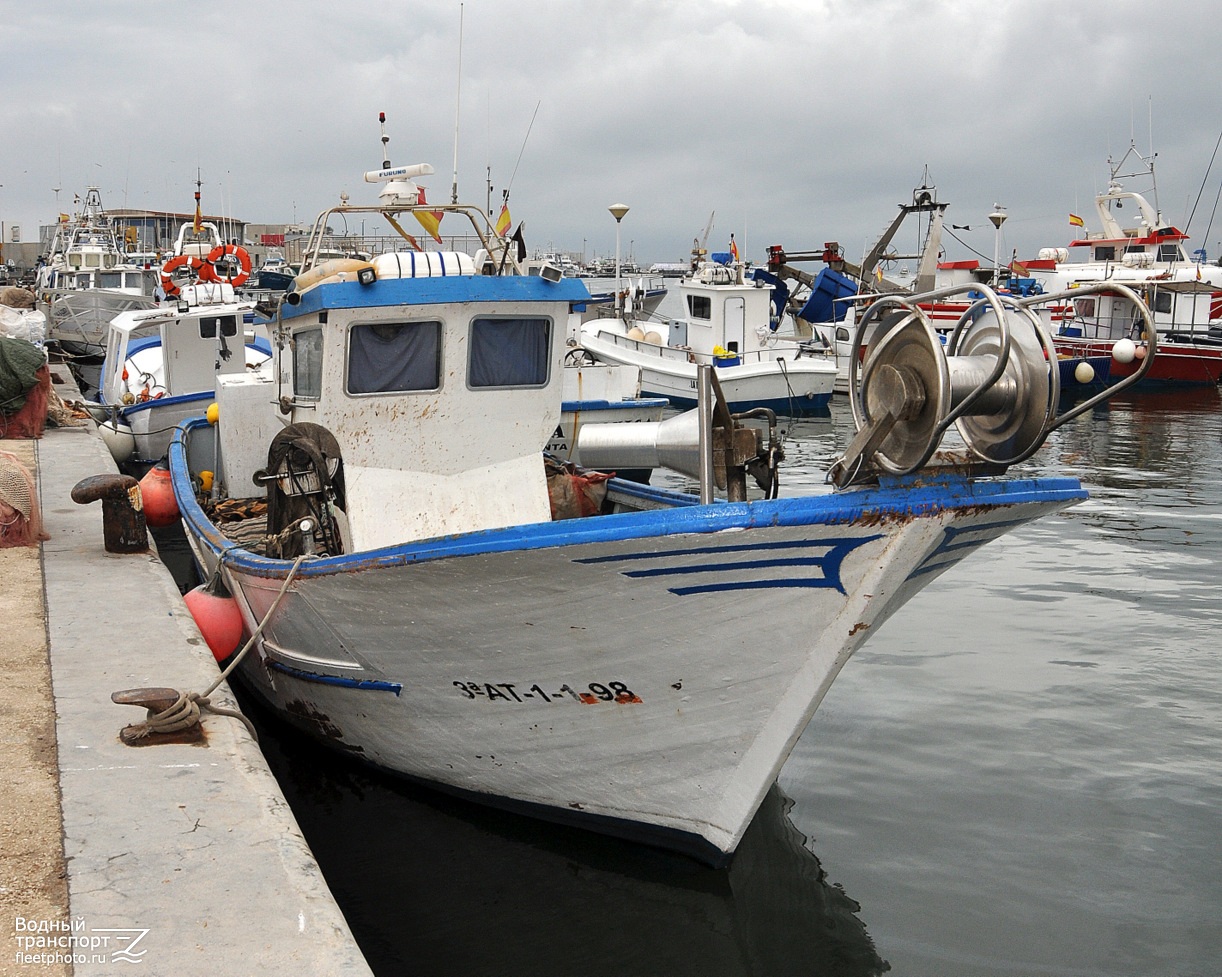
[
  {"x": 1076, "y": 221},
  {"x": 430, "y": 220},
  {"x": 503, "y": 221},
  {"x": 733, "y": 248},
  {"x": 198, "y": 226}
]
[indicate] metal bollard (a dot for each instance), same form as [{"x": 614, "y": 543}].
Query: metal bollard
[{"x": 123, "y": 526}]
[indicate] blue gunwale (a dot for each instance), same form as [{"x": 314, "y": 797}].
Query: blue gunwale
[{"x": 899, "y": 498}]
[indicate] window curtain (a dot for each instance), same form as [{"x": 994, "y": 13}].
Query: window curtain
[
  {"x": 509, "y": 352},
  {"x": 393, "y": 357}
]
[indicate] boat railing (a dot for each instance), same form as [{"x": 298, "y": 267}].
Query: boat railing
[
  {"x": 477, "y": 234},
  {"x": 685, "y": 354}
]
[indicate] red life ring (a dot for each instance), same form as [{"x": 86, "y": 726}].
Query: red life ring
[
  {"x": 167, "y": 279},
  {"x": 224, "y": 253}
]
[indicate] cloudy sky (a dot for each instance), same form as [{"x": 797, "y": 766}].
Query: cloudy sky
[{"x": 794, "y": 121}]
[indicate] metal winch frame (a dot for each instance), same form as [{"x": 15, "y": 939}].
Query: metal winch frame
[{"x": 996, "y": 379}]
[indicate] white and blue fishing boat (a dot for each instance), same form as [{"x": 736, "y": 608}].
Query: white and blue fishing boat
[
  {"x": 417, "y": 596},
  {"x": 162, "y": 364},
  {"x": 731, "y": 324},
  {"x": 88, "y": 278}
]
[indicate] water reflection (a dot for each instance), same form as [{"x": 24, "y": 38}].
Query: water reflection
[{"x": 434, "y": 885}]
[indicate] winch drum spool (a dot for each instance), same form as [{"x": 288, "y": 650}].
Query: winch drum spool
[{"x": 1012, "y": 418}]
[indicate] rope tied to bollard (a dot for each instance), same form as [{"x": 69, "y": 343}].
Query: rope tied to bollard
[{"x": 186, "y": 710}]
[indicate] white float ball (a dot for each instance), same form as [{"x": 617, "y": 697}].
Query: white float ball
[
  {"x": 1084, "y": 372},
  {"x": 1124, "y": 351}
]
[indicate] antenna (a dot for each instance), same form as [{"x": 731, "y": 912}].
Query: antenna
[
  {"x": 457, "y": 103},
  {"x": 509, "y": 185},
  {"x": 385, "y": 142}
]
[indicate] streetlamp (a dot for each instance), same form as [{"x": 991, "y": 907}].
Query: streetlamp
[
  {"x": 617, "y": 211},
  {"x": 998, "y": 217}
]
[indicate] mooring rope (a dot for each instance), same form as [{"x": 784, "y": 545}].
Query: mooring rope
[{"x": 186, "y": 710}]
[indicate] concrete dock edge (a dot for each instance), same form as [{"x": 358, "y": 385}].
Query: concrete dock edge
[{"x": 186, "y": 859}]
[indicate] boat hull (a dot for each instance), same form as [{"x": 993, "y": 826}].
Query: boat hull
[
  {"x": 646, "y": 674},
  {"x": 1176, "y": 364}
]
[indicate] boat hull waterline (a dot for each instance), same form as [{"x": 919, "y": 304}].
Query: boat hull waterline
[{"x": 645, "y": 674}]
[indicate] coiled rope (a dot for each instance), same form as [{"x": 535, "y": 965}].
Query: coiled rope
[{"x": 187, "y": 708}]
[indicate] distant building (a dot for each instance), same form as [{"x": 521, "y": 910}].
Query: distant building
[{"x": 155, "y": 230}]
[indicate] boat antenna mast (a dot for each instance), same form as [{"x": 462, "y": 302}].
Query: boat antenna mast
[
  {"x": 457, "y": 104},
  {"x": 1146, "y": 169},
  {"x": 399, "y": 191}
]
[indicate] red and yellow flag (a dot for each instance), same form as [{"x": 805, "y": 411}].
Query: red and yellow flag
[
  {"x": 733, "y": 248},
  {"x": 503, "y": 221},
  {"x": 199, "y": 220},
  {"x": 1076, "y": 221},
  {"x": 430, "y": 220}
]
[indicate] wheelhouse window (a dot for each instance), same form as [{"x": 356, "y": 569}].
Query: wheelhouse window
[
  {"x": 700, "y": 306},
  {"x": 1107, "y": 253},
  {"x": 110, "y": 279},
  {"x": 210, "y": 326},
  {"x": 509, "y": 352},
  {"x": 307, "y": 364},
  {"x": 394, "y": 357},
  {"x": 1169, "y": 252}
]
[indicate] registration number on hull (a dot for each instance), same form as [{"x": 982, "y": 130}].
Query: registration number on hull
[{"x": 594, "y": 693}]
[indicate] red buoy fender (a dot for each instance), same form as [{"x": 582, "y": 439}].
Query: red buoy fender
[
  {"x": 157, "y": 492},
  {"x": 219, "y": 254},
  {"x": 218, "y": 618}
]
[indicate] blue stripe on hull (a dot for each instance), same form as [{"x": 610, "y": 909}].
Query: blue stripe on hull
[{"x": 818, "y": 405}]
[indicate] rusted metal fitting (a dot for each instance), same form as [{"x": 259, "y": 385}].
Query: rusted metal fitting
[
  {"x": 158, "y": 702},
  {"x": 123, "y": 526}
]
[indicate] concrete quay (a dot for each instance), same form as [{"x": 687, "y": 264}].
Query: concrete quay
[{"x": 176, "y": 859}]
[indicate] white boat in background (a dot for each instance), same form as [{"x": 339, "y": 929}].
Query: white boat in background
[
  {"x": 421, "y": 595},
  {"x": 640, "y": 297},
  {"x": 88, "y": 278},
  {"x": 731, "y": 325},
  {"x": 162, "y": 366},
  {"x": 1181, "y": 289}
]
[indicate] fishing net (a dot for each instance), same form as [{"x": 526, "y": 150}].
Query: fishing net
[
  {"x": 14, "y": 297},
  {"x": 574, "y": 493},
  {"x": 20, "y": 520}
]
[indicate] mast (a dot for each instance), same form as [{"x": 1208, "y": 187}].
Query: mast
[{"x": 457, "y": 104}]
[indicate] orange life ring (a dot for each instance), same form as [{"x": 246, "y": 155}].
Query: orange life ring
[
  {"x": 222, "y": 252},
  {"x": 167, "y": 280}
]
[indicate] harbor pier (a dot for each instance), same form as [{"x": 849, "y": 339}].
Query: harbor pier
[{"x": 183, "y": 857}]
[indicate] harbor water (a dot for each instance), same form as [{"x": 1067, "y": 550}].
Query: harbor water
[{"x": 1017, "y": 775}]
